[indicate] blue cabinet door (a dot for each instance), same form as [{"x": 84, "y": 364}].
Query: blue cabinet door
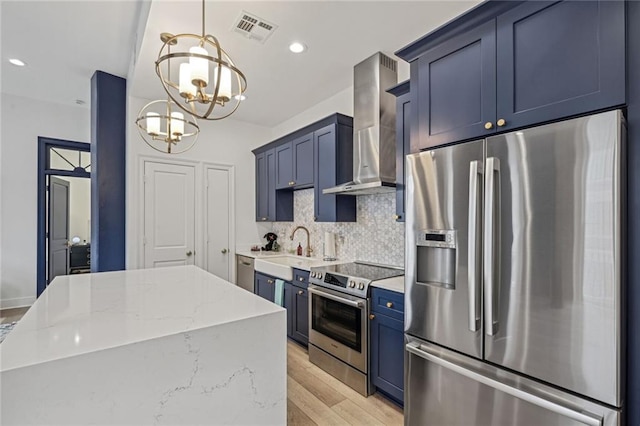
[
  {"x": 333, "y": 149},
  {"x": 271, "y": 184},
  {"x": 300, "y": 325},
  {"x": 387, "y": 355},
  {"x": 456, "y": 88},
  {"x": 558, "y": 59},
  {"x": 403, "y": 146},
  {"x": 303, "y": 161},
  {"x": 264, "y": 286},
  {"x": 284, "y": 166},
  {"x": 262, "y": 188}
]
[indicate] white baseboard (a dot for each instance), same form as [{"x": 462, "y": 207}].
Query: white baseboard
[{"x": 18, "y": 302}]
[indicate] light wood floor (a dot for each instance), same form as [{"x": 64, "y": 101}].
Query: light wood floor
[
  {"x": 317, "y": 398},
  {"x": 11, "y": 315},
  {"x": 314, "y": 397}
]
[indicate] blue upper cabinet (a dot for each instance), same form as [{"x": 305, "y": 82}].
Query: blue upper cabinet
[
  {"x": 403, "y": 141},
  {"x": 457, "y": 88},
  {"x": 284, "y": 166},
  {"x": 271, "y": 205},
  {"x": 508, "y": 65},
  {"x": 262, "y": 187},
  {"x": 559, "y": 59},
  {"x": 303, "y": 161},
  {"x": 333, "y": 152}
]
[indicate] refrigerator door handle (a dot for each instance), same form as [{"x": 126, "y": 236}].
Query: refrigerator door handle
[
  {"x": 580, "y": 416},
  {"x": 472, "y": 268},
  {"x": 491, "y": 216}
]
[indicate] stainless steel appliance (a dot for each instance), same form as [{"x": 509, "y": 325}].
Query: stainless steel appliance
[
  {"x": 244, "y": 272},
  {"x": 374, "y": 128},
  {"x": 338, "y": 319},
  {"x": 513, "y": 277}
]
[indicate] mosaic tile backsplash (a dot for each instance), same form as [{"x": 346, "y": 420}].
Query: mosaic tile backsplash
[{"x": 375, "y": 237}]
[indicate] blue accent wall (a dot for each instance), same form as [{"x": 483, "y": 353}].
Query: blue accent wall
[
  {"x": 632, "y": 402},
  {"x": 108, "y": 172}
]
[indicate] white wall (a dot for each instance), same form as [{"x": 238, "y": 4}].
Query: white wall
[
  {"x": 22, "y": 121},
  {"x": 223, "y": 142}
]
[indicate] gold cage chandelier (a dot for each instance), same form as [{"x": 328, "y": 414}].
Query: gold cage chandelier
[
  {"x": 163, "y": 126},
  {"x": 209, "y": 86}
]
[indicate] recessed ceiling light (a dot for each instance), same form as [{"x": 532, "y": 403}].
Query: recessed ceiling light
[
  {"x": 17, "y": 62},
  {"x": 240, "y": 97},
  {"x": 297, "y": 47}
]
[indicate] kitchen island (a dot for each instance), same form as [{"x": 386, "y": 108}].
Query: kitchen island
[{"x": 158, "y": 346}]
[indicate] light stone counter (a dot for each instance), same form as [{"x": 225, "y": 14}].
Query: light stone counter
[
  {"x": 158, "y": 346},
  {"x": 394, "y": 284}
]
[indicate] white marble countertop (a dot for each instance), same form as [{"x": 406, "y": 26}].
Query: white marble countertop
[
  {"x": 83, "y": 313},
  {"x": 394, "y": 284},
  {"x": 261, "y": 254}
]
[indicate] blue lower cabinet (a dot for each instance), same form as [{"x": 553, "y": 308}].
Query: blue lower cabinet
[
  {"x": 300, "y": 326},
  {"x": 387, "y": 350},
  {"x": 265, "y": 286}
]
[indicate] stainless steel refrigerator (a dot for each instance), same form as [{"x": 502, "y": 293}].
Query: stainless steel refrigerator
[{"x": 514, "y": 260}]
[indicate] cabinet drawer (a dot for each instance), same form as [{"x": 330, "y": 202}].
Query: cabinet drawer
[
  {"x": 387, "y": 302},
  {"x": 301, "y": 278}
]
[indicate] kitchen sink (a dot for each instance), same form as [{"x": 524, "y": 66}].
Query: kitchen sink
[{"x": 282, "y": 266}]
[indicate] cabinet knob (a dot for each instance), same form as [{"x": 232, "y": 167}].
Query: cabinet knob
[
  {"x": 292, "y": 183},
  {"x": 396, "y": 216},
  {"x": 270, "y": 281},
  {"x": 263, "y": 218},
  {"x": 389, "y": 305},
  {"x": 488, "y": 125},
  {"x": 300, "y": 279},
  {"x": 501, "y": 122},
  {"x": 371, "y": 316},
  {"x": 300, "y": 292}
]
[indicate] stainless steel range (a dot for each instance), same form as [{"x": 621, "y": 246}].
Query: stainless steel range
[{"x": 339, "y": 319}]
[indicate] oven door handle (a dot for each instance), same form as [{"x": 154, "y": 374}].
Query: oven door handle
[{"x": 354, "y": 303}]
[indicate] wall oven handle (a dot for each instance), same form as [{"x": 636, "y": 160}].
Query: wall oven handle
[
  {"x": 348, "y": 302},
  {"x": 582, "y": 417},
  {"x": 491, "y": 253},
  {"x": 472, "y": 267}
]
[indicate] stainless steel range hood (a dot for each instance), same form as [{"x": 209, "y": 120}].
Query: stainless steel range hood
[{"x": 374, "y": 128}]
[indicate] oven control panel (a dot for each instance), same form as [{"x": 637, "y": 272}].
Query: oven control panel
[{"x": 351, "y": 285}]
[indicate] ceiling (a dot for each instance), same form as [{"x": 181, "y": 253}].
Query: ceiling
[{"x": 64, "y": 42}]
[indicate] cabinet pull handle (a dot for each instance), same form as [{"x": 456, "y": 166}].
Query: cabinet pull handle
[
  {"x": 488, "y": 125},
  {"x": 372, "y": 316},
  {"x": 389, "y": 305},
  {"x": 502, "y": 122},
  {"x": 300, "y": 292}
]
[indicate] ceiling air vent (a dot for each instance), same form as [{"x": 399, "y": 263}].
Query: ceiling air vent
[{"x": 253, "y": 27}]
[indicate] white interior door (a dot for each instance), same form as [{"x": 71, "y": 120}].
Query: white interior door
[
  {"x": 218, "y": 222},
  {"x": 169, "y": 215}
]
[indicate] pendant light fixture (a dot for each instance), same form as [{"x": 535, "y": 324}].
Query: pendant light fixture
[
  {"x": 163, "y": 126},
  {"x": 209, "y": 86}
]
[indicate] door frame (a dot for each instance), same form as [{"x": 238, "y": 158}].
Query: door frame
[
  {"x": 198, "y": 238},
  {"x": 231, "y": 170},
  {"x": 44, "y": 145}
]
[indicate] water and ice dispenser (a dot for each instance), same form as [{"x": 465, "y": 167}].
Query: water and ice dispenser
[{"x": 436, "y": 258}]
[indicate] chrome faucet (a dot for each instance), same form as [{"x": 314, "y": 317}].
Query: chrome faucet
[{"x": 308, "y": 249}]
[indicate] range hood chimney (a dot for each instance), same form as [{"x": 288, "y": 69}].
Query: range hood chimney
[{"x": 374, "y": 128}]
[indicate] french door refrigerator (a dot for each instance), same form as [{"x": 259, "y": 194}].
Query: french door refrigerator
[{"x": 514, "y": 278}]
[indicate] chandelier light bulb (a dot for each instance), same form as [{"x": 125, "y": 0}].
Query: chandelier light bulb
[
  {"x": 199, "y": 67},
  {"x": 224, "y": 91},
  {"x": 153, "y": 123},
  {"x": 187, "y": 89},
  {"x": 177, "y": 124}
]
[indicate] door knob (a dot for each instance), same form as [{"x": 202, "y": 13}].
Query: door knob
[
  {"x": 189, "y": 253},
  {"x": 488, "y": 125},
  {"x": 501, "y": 122},
  {"x": 224, "y": 251}
]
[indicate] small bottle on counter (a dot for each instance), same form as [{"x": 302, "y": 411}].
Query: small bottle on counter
[{"x": 299, "y": 251}]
